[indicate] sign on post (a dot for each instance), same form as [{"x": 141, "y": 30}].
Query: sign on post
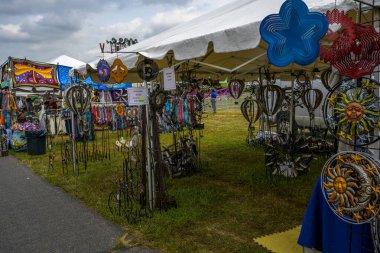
[
  {"x": 137, "y": 96},
  {"x": 169, "y": 79}
]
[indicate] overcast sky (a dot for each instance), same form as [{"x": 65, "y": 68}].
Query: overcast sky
[{"x": 44, "y": 29}]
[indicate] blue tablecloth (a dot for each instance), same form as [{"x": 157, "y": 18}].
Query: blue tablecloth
[{"x": 324, "y": 231}]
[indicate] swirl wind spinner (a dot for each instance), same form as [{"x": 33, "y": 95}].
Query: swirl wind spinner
[
  {"x": 351, "y": 111},
  {"x": 351, "y": 186},
  {"x": 293, "y": 35},
  {"x": 355, "y": 52},
  {"x": 341, "y": 30}
]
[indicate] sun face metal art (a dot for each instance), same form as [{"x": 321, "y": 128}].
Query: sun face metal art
[
  {"x": 118, "y": 71},
  {"x": 147, "y": 70},
  {"x": 351, "y": 186},
  {"x": 351, "y": 111},
  {"x": 293, "y": 35}
]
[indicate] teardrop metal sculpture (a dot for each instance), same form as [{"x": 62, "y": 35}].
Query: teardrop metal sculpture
[
  {"x": 312, "y": 98},
  {"x": 251, "y": 110},
  {"x": 271, "y": 97},
  {"x": 325, "y": 76},
  {"x": 236, "y": 88},
  {"x": 78, "y": 99}
]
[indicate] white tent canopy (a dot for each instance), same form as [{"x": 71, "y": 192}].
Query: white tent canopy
[
  {"x": 67, "y": 61},
  {"x": 227, "y": 38}
]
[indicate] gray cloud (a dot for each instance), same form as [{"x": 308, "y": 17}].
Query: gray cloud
[
  {"x": 22, "y": 7},
  {"x": 44, "y": 29},
  {"x": 167, "y": 2}
]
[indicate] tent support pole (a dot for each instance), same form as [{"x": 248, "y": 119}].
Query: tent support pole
[
  {"x": 292, "y": 109},
  {"x": 149, "y": 156},
  {"x": 212, "y": 66},
  {"x": 73, "y": 141},
  {"x": 248, "y": 62}
]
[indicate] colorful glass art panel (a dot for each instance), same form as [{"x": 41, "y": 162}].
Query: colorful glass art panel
[{"x": 28, "y": 73}]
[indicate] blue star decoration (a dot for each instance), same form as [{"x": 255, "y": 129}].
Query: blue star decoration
[{"x": 293, "y": 35}]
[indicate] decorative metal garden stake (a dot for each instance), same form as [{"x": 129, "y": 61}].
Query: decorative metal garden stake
[{"x": 78, "y": 100}]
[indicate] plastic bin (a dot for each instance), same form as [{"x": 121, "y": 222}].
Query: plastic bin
[{"x": 36, "y": 142}]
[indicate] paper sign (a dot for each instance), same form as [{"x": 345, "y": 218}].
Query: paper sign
[
  {"x": 169, "y": 79},
  {"x": 137, "y": 96}
]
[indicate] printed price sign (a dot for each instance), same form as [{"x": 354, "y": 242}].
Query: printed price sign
[
  {"x": 137, "y": 96},
  {"x": 169, "y": 79}
]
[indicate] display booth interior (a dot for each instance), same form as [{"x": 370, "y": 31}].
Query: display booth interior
[{"x": 305, "y": 75}]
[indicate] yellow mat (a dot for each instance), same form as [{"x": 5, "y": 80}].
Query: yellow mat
[{"x": 284, "y": 242}]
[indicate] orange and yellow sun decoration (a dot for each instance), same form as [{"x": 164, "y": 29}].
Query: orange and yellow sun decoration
[
  {"x": 351, "y": 186},
  {"x": 118, "y": 71},
  {"x": 119, "y": 110},
  {"x": 354, "y": 111}
]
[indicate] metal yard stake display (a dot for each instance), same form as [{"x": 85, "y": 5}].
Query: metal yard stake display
[
  {"x": 350, "y": 179},
  {"x": 77, "y": 99},
  {"x": 287, "y": 33},
  {"x": 129, "y": 200}
]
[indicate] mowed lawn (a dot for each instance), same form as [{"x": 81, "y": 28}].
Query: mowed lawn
[{"x": 220, "y": 209}]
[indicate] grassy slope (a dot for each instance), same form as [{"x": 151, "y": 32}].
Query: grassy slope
[{"x": 221, "y": 208}]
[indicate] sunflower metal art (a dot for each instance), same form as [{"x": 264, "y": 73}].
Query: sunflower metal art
[
  {"x": 351, "y": 186},
  {"x": 351, "y": 111},
  {"x": 281, "y": 160}
]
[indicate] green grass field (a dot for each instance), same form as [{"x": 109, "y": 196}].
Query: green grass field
[{"x": 220, "y": 209}]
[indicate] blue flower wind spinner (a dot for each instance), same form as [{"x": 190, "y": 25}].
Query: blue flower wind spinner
[{"x": 293, "y": 34}]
